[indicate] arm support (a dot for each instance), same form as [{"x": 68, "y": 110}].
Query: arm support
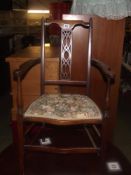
[
  {"x": 104, "y": 70},
  {"x": 24, "y": 68},
  {"x": 109, "y": 78},
  {"x": 19, "y": 75}
]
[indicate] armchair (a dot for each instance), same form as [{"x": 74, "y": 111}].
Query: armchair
[{"x": 61, "y": 113}]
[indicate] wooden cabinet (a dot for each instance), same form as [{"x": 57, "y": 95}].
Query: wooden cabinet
[
  {"x": 31, "y": 84},
  {"x": 57, "y": 9},
  {"x": 108, "y": 37}
]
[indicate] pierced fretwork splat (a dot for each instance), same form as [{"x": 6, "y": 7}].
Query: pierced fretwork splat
[{"x": 66, "y": 53}]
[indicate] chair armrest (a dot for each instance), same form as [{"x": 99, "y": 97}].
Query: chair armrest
[
  {"x": 24, "y": 68},
  {"x": 107, "y": 74},
  {"x": 109, "y": 77}
]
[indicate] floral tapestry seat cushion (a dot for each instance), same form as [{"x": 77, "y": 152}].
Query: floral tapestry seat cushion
[{"x": 64, "y": 107}]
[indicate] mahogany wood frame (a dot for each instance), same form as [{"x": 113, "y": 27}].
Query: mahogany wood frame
[{"x": 19, "y": 75}]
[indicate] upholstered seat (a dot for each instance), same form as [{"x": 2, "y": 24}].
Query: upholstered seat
[{"x": 64, "y": 107}]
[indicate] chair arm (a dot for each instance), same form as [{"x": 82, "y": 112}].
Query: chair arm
[
  {"x": 24, "y": 68},
  {"x": 107, "y": 74}
]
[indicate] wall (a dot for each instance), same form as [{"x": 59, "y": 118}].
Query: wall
[{"x": 13, "y": 22}]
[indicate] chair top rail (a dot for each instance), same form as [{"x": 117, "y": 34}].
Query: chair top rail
[{"x": 65, "y": 24}]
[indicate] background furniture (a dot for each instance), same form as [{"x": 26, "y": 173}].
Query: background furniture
[
  {"x": 31, "y": 85},
  {"x": 108, "y": 38}
]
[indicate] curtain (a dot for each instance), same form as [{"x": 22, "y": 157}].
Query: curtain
[{"x": 110, "y": 9}]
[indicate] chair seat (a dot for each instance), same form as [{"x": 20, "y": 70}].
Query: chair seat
[{"x": 64, "y": 107}]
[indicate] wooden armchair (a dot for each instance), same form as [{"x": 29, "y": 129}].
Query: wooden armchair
[{"x": 62, "y": 113}]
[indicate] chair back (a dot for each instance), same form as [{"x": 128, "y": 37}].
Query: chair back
[{"x": 66, "y": 37}]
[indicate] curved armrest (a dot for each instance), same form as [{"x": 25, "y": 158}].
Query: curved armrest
[
  {"x": 24, "y": 68},
  {"x": 104, "y": 69}
]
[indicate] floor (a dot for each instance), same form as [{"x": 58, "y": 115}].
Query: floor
[
  {"x": 57, "y": 164},
  {"x": 122, "y": 133},
  {"x": 69, "y": 164}
]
